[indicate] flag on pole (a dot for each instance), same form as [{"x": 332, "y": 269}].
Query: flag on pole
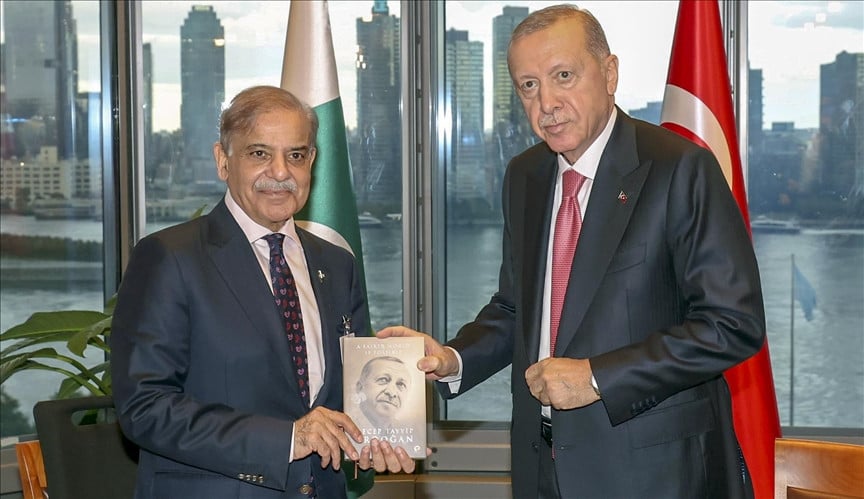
[
  {"x": 698, "y": 105},
  {"x": 804, "y": 292},
  {"x": 309, "y": 72}
]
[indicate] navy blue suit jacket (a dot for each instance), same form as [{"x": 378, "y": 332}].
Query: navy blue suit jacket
[
  {"x": 202, "y": 380},
  {"x": 663, "y": 296}
]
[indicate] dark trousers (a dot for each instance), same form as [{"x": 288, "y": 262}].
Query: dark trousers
[{"x": 548, "y": 488}]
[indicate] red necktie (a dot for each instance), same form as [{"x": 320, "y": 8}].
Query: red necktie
[
  {"x": 288, "y": 302},
  {"x": 567, "y": 227}
]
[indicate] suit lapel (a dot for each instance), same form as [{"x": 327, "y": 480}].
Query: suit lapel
[
  {"x": 319, "y": 275},
  {"x": 538, "y": 197},
  {"x": 236, "y": 263},
  {"x": 604, "y": 223}
]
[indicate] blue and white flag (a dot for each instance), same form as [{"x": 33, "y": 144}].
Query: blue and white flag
[{"x": 804, "y": 292}]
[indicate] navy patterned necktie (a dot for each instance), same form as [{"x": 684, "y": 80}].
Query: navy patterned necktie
[{"x": 288, "y": 303}]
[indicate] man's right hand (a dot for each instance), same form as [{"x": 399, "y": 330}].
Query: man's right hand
[
  {"x": 439, "y": 361},
  {"x": 325, "y": 432}
]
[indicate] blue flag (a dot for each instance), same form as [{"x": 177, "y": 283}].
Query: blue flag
[{"x": 804, "y": 293}]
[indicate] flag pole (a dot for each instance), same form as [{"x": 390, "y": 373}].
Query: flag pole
[{"x": 792, "y": 345}]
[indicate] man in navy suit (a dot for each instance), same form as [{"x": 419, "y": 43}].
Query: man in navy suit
[
  {"x": 202, "y": 370},
  {"x": 661, "y": 296}
]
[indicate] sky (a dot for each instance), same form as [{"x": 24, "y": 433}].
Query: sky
[{"x": 788, "y": 41}]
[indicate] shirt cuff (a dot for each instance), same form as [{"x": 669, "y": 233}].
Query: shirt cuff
[
  {"x": 291, "y": 455},
  {"x": 594, "y": 385}
]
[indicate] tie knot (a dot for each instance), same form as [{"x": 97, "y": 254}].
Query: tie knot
[
  {"x": 275, "y": 241},
  {"x": 571, "y": 183}
]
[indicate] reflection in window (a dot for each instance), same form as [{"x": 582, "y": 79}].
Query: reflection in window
[{"x": 50, "y": 178}]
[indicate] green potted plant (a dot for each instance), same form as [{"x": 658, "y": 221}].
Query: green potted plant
[{"x": 34, "y": 342}]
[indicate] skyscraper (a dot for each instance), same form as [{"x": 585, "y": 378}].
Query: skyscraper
[
  {"x": 378, "y": 165},
  {"x": 505, "y": 104},
  {"x": 468, "y": 179},
  {"x": 511, "y": 131},
  {"x": 755, "y": 113},
  {"x": 841, "y": 119},
  {"x": 41, "y": 67},
  {"x": 202, "y": 85},
  {"x": 150, "y": 158}
]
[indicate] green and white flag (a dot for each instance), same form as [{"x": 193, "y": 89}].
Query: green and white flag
[{"x": 309, "y": 72}]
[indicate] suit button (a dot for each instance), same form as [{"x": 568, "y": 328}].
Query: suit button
[
  {"x": 241, "y": 476},
  {"x": 260, "y": 478},
  {"x": 305, "y": 489}
]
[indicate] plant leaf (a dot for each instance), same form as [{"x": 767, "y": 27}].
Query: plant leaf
[
  {"x": 42, "y": 323},
  {"x": 89, "y": 335},
  {"x": 21, "y": 344},
  {"x": 21, "y": 361}
]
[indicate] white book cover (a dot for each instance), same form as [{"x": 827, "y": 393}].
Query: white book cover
[{"x": 384, "y": 392}]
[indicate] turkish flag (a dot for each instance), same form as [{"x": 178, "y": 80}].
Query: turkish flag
[{"x": 698, "y": 105}]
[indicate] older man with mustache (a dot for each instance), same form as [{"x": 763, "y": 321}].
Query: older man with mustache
[{"x": 225, "y": 348}]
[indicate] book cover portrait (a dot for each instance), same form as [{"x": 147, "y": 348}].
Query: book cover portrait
[{"x": 384, "y": 392}]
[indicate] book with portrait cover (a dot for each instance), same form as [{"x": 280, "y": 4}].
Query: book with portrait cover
[{"x": 384, "y": 392}]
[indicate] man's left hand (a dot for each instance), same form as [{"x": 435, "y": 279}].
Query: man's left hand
[{"x": 562, "y": 383}]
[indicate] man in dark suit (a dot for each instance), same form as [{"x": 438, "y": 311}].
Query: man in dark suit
[
  {"x": 617, "y": 347},
  {"x": 225, "y": 397}
]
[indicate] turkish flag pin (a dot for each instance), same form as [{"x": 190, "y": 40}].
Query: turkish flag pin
[{"x": 622, "y": 198}]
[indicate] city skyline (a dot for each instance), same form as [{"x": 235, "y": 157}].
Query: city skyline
[{"x": 255, "y": 42}]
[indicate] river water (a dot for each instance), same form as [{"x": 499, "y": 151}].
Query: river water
[{"x": 829, "y": 370}]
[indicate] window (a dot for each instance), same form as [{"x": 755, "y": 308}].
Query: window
[
  {"x": 806, "y": 190},
  {"x": 805, "y": 177},
  {"x": 51, "y": 171}
]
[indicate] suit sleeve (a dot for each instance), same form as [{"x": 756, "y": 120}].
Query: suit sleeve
[
  {"x": 718, "y": 285},
  {"x": 151, "y": 349}
]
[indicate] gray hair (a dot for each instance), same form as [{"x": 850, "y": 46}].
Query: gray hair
[
  {"x": 245, "y": 107},
  {"x": 544, "y": 18}
]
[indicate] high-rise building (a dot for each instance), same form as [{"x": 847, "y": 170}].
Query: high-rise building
[
  {"x": 41, "y": 68},
  {"x": 511, "y": 131},
  {"x": 505, "y": 104},
  {"x": 151, "y": 161},
  {"x": 755, "y": 111},
  {"x": 841, "y": 119},
  {"x": 377, "y": 162},
  {"x": 202, "y": 86},
  {"x": 466, "y": 167}
]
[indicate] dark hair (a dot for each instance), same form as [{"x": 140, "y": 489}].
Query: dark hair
[
  {"x": 240, "y": 115},
  {"x": 544, "y": 18}
]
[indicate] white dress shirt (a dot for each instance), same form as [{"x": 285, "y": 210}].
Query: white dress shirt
[{"x": 296, "y": 260}]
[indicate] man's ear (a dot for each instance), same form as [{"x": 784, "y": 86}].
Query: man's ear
[{"x": 220, "y": 156}]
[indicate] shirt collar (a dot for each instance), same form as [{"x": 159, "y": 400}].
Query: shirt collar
[
  {"x": 252, "y": 229},
  {"x": 589, "y": 161}
]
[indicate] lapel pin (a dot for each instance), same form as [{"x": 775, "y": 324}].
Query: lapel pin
[
  {"x": 622, "y": 198},
  {"x": 321, "y": 276}
]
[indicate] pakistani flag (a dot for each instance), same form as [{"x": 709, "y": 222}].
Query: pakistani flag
[{"x": 309, "y": 72}]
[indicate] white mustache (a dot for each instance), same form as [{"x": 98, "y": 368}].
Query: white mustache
[
  {"x": 272, "y": 185},
  {"x": 547, "y": 120}
]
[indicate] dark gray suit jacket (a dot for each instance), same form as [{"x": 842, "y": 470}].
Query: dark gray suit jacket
[
  {"x": 663, "y": 296},
  {"x": 201, "y": 368}
]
